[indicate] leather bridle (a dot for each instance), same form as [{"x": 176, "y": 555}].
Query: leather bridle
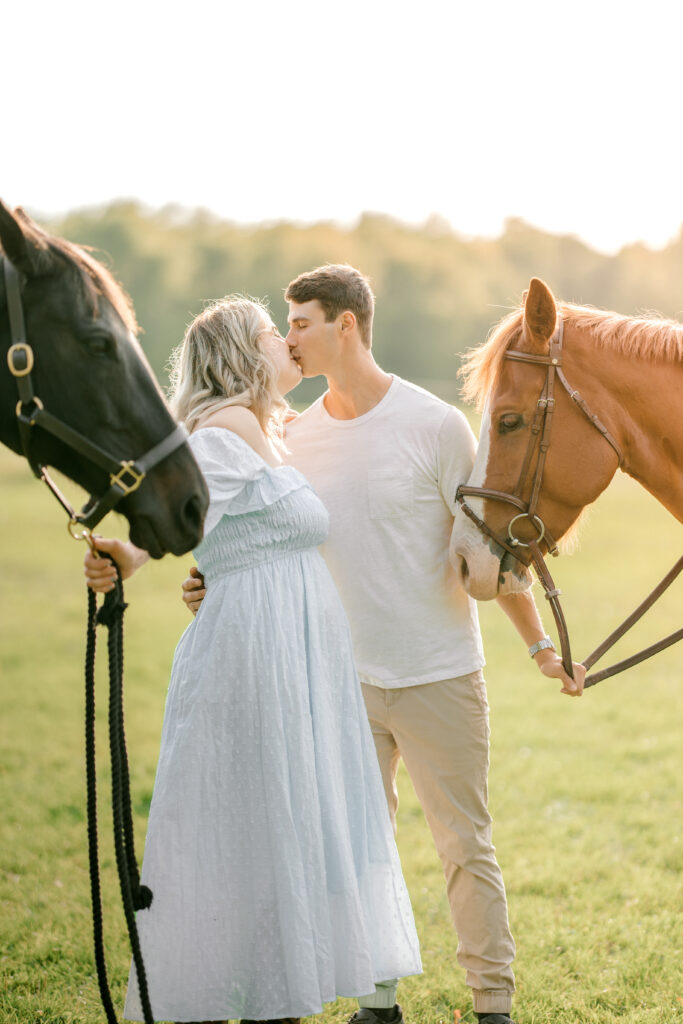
[
  {"x": 539, "y": 441},
  {"x": 125, "y": 475}
]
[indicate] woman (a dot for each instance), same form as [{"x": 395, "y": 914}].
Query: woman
[{"x": 269, "y": 850}]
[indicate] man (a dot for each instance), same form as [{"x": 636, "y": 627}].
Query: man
[{"x": 386, "y": 458}]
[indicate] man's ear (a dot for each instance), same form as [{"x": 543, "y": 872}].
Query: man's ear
[{"x": 347, "y": 321}]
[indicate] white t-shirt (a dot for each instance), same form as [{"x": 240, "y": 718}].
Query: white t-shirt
[{"x": 388, "y": 480}]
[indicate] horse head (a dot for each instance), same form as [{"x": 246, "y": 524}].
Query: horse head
[
  {"x": 90, "y": 372},
  {"x": 535, "y": 490}
]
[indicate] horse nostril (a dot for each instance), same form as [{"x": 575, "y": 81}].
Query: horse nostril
[
  {"x": 464, "y": 568},
  {"x": 191, "y": 514}
]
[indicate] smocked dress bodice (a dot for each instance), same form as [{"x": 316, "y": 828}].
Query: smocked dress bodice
[{"x": 257, "y": 512}]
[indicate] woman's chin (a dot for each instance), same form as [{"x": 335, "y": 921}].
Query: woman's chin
[{"x": 289, "y": 385}]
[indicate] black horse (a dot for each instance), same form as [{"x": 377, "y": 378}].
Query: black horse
[{"x": 90, "y": 373}]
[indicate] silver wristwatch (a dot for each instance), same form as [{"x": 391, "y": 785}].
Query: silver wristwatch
[{"x": 541, "y": 645}]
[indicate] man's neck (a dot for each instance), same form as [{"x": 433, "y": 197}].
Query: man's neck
[{"x": 356, "y": 389}]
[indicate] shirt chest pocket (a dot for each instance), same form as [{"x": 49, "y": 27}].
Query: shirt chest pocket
[{"x": 391, "y": 493}]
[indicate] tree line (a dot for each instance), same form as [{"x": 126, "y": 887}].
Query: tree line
[{"x": 438, "y": 293}]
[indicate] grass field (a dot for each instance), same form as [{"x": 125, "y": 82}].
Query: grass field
[{"x": 587, "y": 795}]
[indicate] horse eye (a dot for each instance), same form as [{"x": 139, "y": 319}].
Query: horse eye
[
  {"x": 100, "y": 344},
  {"x": 509, "y": 422}
]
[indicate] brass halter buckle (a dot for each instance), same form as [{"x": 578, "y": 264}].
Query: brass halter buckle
[
  {"x": 538, "y": 523},
  {"x": 116, "y": 479}
]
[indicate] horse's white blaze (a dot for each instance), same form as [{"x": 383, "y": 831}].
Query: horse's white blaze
[{"x": 478, "y": 568}]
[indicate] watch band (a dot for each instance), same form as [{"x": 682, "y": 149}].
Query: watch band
[{"x": 541, "y": 645}]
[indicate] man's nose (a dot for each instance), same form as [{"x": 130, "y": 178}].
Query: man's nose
[{"x": 290, "y": 340}]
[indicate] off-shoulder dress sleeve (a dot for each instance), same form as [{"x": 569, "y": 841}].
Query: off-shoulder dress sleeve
[{"x": 238, "y": 479}]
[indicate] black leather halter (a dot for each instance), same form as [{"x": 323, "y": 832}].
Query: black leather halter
[
  {"x": 125, "y": 476},
  {"x": 540, "y": 438}
]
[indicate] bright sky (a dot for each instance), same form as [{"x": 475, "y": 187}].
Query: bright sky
[{"x": 566, "y": 115}]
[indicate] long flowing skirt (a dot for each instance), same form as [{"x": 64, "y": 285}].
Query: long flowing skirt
[{"x": 276, "y": 881}]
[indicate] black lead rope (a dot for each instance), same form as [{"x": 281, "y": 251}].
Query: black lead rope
[{"x": 134, "y": 896}]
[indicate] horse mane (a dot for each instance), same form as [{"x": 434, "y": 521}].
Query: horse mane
[
  {"x": 650, "y": 337},
  {"x": 96, "y": 279},
  {"x": 481, "y": 365}
]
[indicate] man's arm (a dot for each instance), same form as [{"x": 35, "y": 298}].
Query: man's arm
[{"x": 523, "y": 614}]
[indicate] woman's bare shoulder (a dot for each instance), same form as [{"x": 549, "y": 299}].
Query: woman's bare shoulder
[
  {"x": 240, "y": 421},
  {"x": 237, "y": 418}
]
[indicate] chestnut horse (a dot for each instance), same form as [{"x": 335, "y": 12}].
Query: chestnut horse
[
  {"x": 569, "y": 395},
  {"x": 77, "y": 393}
]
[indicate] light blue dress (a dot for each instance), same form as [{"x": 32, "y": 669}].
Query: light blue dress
[{"x": 270, "y": 853}]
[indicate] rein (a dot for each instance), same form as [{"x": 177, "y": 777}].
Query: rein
[
  {"x": 539, "y": 438},
  {"x": 125, "y": 477}
]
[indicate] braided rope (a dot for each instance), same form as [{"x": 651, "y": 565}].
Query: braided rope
[
  {"x": 91, "y": 786},
  {"x": 134, "y": 896}
]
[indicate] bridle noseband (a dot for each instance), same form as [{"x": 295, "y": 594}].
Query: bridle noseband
[
  {"x": 539, "y": 438},
  {"x": 125, "y": 476}
]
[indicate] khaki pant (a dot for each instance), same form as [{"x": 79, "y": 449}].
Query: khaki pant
[{"x": 441, "y": 731}]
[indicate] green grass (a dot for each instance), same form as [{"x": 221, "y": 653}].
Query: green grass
[{"x": 586, "y": 794}]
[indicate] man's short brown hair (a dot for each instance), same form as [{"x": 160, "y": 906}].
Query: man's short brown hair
[{"x": 337, "y": 287}]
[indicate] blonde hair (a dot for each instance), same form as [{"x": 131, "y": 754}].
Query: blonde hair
[{"x": 220, "y": 362}]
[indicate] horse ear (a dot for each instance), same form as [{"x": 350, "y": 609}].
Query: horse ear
[
  {"x": 20, "y": 248},
  {"x": 540, "y": 314}
]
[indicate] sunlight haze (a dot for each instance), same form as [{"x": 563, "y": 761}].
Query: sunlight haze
[{"x": 563, "y": 115}]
